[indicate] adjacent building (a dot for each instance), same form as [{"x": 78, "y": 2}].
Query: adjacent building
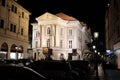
[
  {"x": 59, "y": 36},
  {"x": 113, "y": 30},
  {"x": 14, "y": 23}
]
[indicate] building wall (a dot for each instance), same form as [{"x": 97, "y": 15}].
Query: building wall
[
  {"x": 113, "y": 26},
  {"x": 14, "y": 32}
]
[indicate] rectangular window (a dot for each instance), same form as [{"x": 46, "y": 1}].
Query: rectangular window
[
  {"x": 22, "y": 14},
  {"x": 1, "y": 23},
  {"x": 70, "y": 32},
  {"x": 21, "y": 31},
  {"x": 12, "y": 27},
  {"x": 70, "y": 44},
  {"x": 14, "y": 9},
  {"x": 61, "y": 43},
  {"x": 3, "y": 2},
  {"x": 48, "y": 30}
]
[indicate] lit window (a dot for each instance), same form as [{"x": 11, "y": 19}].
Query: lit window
[
  {"x": 20, "y": 55},
  {"x": 12, "y": 55}
]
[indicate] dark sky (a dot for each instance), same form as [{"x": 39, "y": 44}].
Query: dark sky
[{"x": 91, "y": 12}]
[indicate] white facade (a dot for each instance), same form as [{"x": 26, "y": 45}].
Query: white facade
[
  {"x": 63, "y": 36},
  {"x": 14, "y": 22}
]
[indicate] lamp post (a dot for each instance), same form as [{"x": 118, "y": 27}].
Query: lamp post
[
  {"x": 17, "y": 52},
  {"x": 96, "y": 35}
]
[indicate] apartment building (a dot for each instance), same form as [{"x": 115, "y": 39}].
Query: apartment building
[
  {"x": 14, "y": 23},
  {"x": 113, "y": 30}
]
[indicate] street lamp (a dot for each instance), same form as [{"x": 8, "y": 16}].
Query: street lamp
[
  {"x": 94, "y": 47},
  {"x": 17, "y": 51},
  {"x": 96, "y": 35}
]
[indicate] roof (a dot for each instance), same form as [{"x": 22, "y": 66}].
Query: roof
[{"x": 65, "y": 17}]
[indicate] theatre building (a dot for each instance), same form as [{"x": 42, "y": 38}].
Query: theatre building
[{"x": 58, "y": 36}]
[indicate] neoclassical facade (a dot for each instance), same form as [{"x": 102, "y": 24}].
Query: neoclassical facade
[
  {"x": 58, "y": 36},
  {"x": 14, "y": 22}
]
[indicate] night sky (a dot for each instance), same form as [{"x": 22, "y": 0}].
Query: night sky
[{"x": 92, "y": 12}]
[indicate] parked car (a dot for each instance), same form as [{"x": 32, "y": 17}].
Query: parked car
[
  {"x": 20, "y": 62},
  {"x": 82, "y": 67},
  {"x": 55, "y": 70},
  {"x": 14, "y": 72}
]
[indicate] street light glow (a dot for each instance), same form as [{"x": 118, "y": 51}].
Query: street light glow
[
  {"x": 94, "y": 47},
  {"x": 96, "y": 34}
]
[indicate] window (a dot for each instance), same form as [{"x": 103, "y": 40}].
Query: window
[
  {"x": 70, "y": 32},
  {"x": 21, "y": 31},
  {"x": 61, "y": 43},
  {"x": 22, "y": 14},
  {"x": 48, "y": 30},
  {"x": 48, "y": 43},
  {"x": 14, "y": 9},
  {"x": 1, "y": 23},
  {"x": 12, "y": 27},
  {"x": 70, "y": 44},
  {"x": 3, "y": 2}
]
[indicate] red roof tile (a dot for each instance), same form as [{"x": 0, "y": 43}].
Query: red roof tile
[{"x": 65, "y": 17}]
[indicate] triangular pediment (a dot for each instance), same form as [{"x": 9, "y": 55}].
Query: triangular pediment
[{"x": 47, "y": 16}]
